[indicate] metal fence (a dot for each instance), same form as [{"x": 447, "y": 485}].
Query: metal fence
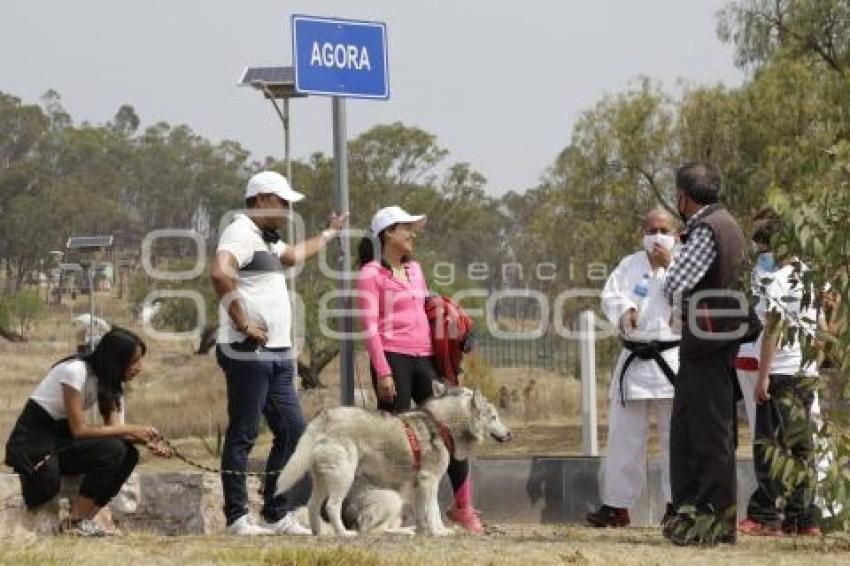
[{"x": 550, "y": 352}]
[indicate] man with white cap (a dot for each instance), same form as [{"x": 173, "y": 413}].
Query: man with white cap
[
  {"x": 634, "y": 301},
  {"x": 255, "y": 346}
]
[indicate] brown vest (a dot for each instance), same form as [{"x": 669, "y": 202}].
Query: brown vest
[{"x": 723, "y": 274}]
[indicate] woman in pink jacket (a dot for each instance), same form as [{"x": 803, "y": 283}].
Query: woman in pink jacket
[{"x": 391, "y": 293}]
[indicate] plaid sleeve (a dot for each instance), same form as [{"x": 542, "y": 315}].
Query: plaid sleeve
[{"x": 691, "y": 264}]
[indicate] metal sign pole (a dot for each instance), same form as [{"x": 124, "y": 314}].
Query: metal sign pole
[
  {"x": 362, "y": 73},
  {"x": 290, "y": 227},
  {"x": 91, "y": 306},
  {"x": 346, "y": 346}
]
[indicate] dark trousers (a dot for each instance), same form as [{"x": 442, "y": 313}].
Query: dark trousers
[
  {"x": 260, "y": 383},
  {"x": 778, "y": 424},
  {"x": 104, "y": 463},
  {"x": 413, "y": 377},
  {"x": 702, "y": 435}
]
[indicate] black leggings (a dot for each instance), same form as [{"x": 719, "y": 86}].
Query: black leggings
[
  {"x": 413, "y": 377},
  {"x": 105, "y": 463}
]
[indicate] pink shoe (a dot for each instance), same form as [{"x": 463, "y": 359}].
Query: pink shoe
[{"x": 466, "y": 517}]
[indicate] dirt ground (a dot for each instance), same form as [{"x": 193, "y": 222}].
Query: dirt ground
[{"x": 514, "y": 544}]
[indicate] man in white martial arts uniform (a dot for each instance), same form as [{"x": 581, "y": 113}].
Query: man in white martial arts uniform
[{"x": 634, "y": 301}]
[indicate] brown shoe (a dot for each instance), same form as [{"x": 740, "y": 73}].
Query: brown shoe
[{"x": 607, "y": 516}]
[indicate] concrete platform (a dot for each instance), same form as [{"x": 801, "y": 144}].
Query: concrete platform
[
  {"x": 536, "y": 490},
  {"x": 562, "y": 490}
]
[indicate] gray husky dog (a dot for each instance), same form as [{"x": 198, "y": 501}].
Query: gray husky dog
[{"x": 375, "y": 461}]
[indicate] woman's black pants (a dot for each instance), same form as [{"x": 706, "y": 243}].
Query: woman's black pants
[{"x": 41, "y": 449}]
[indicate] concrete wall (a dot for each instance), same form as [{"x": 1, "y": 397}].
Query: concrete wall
[
  {"x": 516, "y": 490},
  {"x": 561, "y": 490}
]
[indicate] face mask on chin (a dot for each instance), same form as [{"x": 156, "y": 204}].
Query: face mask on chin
[{"x": 666, "y": 241}]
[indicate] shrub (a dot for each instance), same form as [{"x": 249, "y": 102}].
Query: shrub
[{"x": 24, "y": 309}]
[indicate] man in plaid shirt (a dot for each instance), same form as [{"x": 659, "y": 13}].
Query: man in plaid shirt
[
  {"x": 702, "y": 425},
  {"x": 693, "y": 260}
]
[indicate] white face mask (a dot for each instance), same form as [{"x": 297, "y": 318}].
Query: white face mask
[{"x": 666, "y": 241}]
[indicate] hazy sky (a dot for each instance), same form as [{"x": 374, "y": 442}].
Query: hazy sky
[{"x": 499, "y": 83}]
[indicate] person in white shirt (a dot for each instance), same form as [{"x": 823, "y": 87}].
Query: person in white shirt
[
  {"x": 254, "y": 347},
  {"x": 781, "y": 384},
  {"x": 634, "y": 301},
  {"x": 52, "y": 438},
  {"x": 747, "y": 360}
]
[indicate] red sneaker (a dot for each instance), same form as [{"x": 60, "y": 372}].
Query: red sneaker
[
  {"x": 809, "y": 531},
  {"x": 466, "y": 517},
  {"x": 758, "y": 529}
]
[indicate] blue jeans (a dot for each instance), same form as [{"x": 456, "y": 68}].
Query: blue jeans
[{"x": 260, "y": 383}]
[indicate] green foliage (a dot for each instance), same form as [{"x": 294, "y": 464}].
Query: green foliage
[
  {"x": 105, "y": 179},
  {"x": 817, "y": 230},
  {"x": 704, "y": 528},
  {"x": 782, "y": 137},
  {"x": 178, "y": 314},
  {"x": 20, "y": 311},
  {"x": 765, "y": 30}
]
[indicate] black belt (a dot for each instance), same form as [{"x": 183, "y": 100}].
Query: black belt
[{"x": 647, "y": 351}]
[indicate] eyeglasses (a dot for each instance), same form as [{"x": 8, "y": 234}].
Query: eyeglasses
[{"x": 652, "y": 231}]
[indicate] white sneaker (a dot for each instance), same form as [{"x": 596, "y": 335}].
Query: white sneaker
[
  {"x": 288, "y": 525},
  {"x": 247, "y": 526},
  {"x": 84, "y": 528}
]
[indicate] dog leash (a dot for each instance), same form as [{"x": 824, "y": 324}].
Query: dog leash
[
  {"x": 206, "y": 468},
  {"x": 176, "y": 453}
]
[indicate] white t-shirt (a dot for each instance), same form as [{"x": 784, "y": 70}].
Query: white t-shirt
[
  {"x": 74, "y": 373},
  {"x": 261, "y": 285},
  {"x": 782, "y": 293},
  {"x": 757, "y": 280}
]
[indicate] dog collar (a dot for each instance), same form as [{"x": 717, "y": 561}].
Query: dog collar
[{"x": 444, "y": 432}]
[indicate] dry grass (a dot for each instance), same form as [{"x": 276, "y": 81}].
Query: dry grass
[
  {"x": 513, "y": 545},
  {"x": 184, "y": 394}
]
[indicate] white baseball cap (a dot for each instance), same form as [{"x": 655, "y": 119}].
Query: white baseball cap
[
  {"x": 271, "y": 183},
  {"x": 390, "y": 215}
]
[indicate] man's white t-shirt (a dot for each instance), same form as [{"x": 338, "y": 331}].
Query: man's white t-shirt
[
  {"x": 73, "y": 373},
  {"x": 783, "y": 294},
  {"x": 758, "y": 278},
  {"x": 261, "y": 285}
]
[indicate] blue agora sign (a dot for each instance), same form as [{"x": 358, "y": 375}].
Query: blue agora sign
[{"x": 346, "y": 58}]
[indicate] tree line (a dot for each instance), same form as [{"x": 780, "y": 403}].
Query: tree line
[{"x": 780, "y": 138}]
